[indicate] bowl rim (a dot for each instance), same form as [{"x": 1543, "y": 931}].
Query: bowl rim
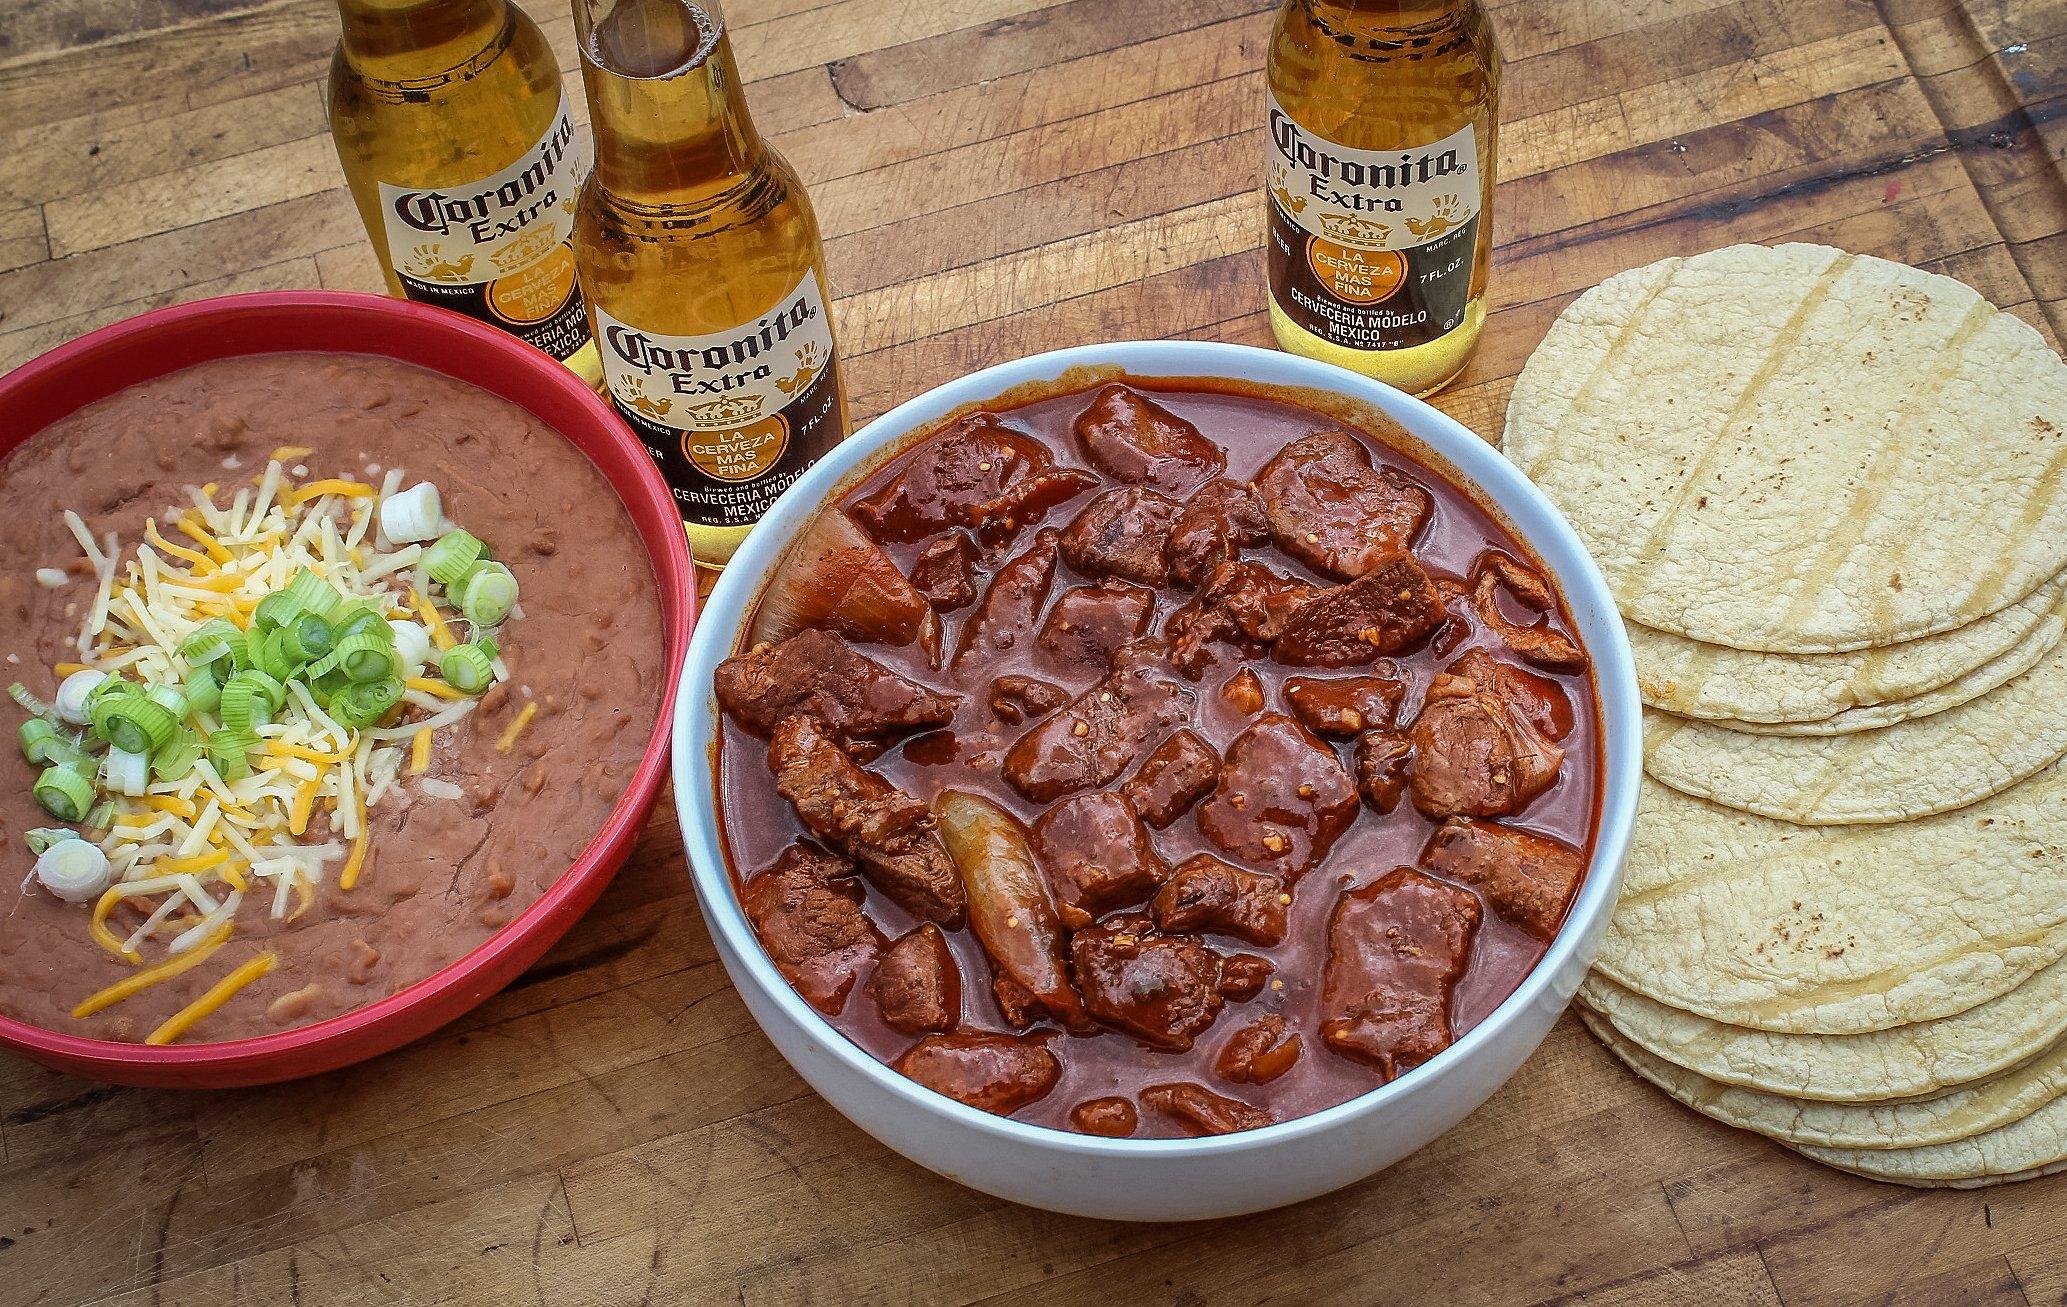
[
  {"x": 673, "y": 570},
  {"x": 1469, "y": 458}
]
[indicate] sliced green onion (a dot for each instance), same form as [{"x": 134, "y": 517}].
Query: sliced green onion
[
  {"x": 313, "y": 595},
  {"x": 177, "y": 757},
  {"x": 43, "y": 837},
  {"x": 269, "y": 655},
  {"x": 134, "y": 723},
  {"x": 361, "y": 705},
  {"x": 366, "y": 656},
  {"x": 74, "y": 871},
  {"x": 75, "y": 696},
  {"x": 469, "y": 668},
  {"x": 358, "y": 617},
  {"x": 63, "y": 793},
  {"x": 63, "y": 752},
  {"x": 213, "y": 639},
  {"x": 229, "y": 753},
  {"x": 203, "y": 691},
  {"x": 241, "y": 651},
  {"x": 98, "y": 822},
  {"x": 36, "y": 735},
  {"x": 268, "y": 685},
  {"x": 30, "y": 704},
  {"x": 276, "y": 609},
  {"x": 171, "y": 698},
  {"x": 114, "y": 685},
  {"x": 126, "y": 772},
  {"x": 486, "y": 594},
  {"x": 308, "y": 639},
  {"x": 244, "y": 707},
  {"x": 453, "y": 556}
]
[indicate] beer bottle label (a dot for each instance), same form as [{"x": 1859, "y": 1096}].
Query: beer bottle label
[
  {"x": 1371, "y": 249},
  {"x": 498, "y": 249},
  {"x": 732, "y": 417}
]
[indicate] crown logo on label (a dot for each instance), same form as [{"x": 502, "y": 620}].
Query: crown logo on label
[
  {"x": 733, "y": 411},
  {"x": 523, "y": 251},
  {"x": 1354, "y": 231}
]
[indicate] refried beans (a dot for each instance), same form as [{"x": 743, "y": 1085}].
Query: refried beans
[{"x": 441, "y": 874}]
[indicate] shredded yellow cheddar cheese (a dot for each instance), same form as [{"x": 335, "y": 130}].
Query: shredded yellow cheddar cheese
[
  {"x": 218, "y": 994},
  {"x": 137, "y": 982}
]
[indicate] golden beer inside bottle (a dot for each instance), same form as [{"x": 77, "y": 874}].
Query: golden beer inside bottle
[
  {"x": 453, "y": 130},
  {"x": 1373, "y": 268},
  {"x": 701, "y": 262}
]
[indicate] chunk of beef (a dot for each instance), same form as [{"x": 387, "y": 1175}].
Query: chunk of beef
[
  {"x": 1395, "y": 950},
  {"x": 806, "y": 907},
  {"x": 1213, "y": 527},
  {"x": 917, "y": 986},
  {"x": 1385, "y": 610},
  {"x": 1380, "y": 761},
  {"x": 1088, "y": 624},
  {"x": 1176, "y": 774},
  {"x": 1101, "y": 732},
  {"x": 951, "y": 479},
  {"x": 977, "y": 473},
  {"x": 1259, "y": 1052},
  {"x": 1005, "y": 620},
  {"x": 1344, "y": 707},
  {"x": 1206, "y": 894},
  {"x": 1121, "y": 533},
  {"x": 1283, "y": 800},
  {"x": 855, "y": 698},
  {"x": 1243, "y": 604},
  {"x": 1539, "y": 642},
  {"x": 1131, "y": 438},
  {"x": 1204, "y": 1111},
  {"x": 1017, "y": 699},
  {"x": 1243, "y": 976},
  {"x": 887, "y": 833},
  {"x": 1161, "y": 989},
  {"x": 1483, "y": 742},
  {"x": 945, "y": 572},
  {"x": 1326, "y": 506},
  {"x": 1243, "y": 692},
  {"x": 1097, "y": 855},
  {"x": 1527, "y": 878},
  {"x": 1115, "y": 1118},
  {"x": 998, "y": 1073}
]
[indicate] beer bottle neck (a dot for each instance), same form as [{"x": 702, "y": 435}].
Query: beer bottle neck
[
  {"x": 411, "y": 40},
  {"x": 665, "y": 102}
]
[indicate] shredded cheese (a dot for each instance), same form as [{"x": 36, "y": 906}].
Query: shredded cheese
[
  {"x": 516, "y": 728},
  {"x": 137, "y": 982},
  {"x": 218, "y": 994},
  {"x": 436, "y": 689},
  {"x": 420, "y": 752}
]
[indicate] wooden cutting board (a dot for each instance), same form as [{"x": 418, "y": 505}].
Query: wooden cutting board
[{"x": 995, "y": 177}]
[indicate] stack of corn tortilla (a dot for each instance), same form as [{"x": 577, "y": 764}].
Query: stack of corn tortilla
[{"x": 1830, "y": 494}]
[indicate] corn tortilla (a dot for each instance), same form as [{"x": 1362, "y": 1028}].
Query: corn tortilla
[
  {"x": 1911, "y": 769},
  {"x": 1907, "y": 1061},
  {"x": 1689, "y": 679},
  {"x": 1799, "y": 450},
  {"x": 1840, "y": 930}
]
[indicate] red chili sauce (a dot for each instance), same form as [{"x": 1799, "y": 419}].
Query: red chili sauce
[{"x": 956, "y": 510}]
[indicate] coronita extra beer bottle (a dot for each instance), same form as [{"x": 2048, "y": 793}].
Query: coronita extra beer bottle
[
  {"x": 702, "y": 267},
  {"x": 454, "y": 131},
  {"x": 1379, "y": 177}
]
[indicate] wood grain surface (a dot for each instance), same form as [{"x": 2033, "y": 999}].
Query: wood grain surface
[{"x": 995, "y": 177}]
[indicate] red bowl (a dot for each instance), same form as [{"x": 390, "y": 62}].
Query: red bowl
[{"x": 109, "y": 360}]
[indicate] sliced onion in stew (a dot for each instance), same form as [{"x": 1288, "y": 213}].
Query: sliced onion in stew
[{"x": 834, "y": 576}]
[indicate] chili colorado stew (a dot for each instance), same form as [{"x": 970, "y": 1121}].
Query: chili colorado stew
[{"x": 1157, "y": 763}]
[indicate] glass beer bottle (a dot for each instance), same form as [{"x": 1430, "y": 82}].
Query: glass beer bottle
[
  {"x": 455, "y": 135},
  {"x": 1379, "y": 177},
  {"x": 701, "y": 263}
]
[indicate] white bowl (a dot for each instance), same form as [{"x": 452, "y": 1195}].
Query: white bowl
[{"x": 1164, "y": 1179}]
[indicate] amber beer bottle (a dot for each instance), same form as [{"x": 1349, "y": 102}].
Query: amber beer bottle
[
  {"x": 455, "y": 136},
  {"x": 702, "y": 265},
  {"x": 1379, "y": 177}
]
